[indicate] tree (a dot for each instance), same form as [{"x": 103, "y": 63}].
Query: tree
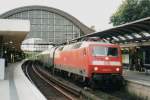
[{"x": 131, "y": 10}]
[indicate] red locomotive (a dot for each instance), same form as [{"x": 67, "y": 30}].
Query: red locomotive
[{"x": 87, "y": 61}]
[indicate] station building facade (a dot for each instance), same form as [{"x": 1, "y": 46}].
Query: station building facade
[{"x": 49, "y": 25}]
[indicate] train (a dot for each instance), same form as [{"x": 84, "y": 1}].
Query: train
[{"x": 86, "y": 61}]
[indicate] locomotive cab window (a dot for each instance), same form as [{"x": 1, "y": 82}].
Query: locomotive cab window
[
  {"x": 104, "y": 51},
  {"x": 112, "y": 52}
]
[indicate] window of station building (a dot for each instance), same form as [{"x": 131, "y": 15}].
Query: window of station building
[
  {"x": 45, "y": 14},
  {"x": 67, "y": 22},
  {"x": 36, "y": 34},
  {"x": 60, "y": 28},
  {"x": 75, "y": 35},
  {"x": 51, "y": 36},
  {"x": 51, "y": 40},
  {"x": 60, "y": 22},
  {"x": 18, "y": 15},
  {"x": 51, "y": 28},
  {"x": 69, "y": 36},
  {"x": 59, "y": 34},
  {"x": 77, "y": 45},
  {"x": 51, "y": 22},
  {"x": 48, "y": 22},
  {"x": 59, "y": 17},
  {"x": 45, "y": 21},
  {"x": 69, "y": 28},
  {"x": 76, "y": 30},
  {"x": 35, "y": 21},
  {"x": 25, "y": 14},
  {"x": 44, "y": 35},
  {"x": 61, "y": 48},
  {"x": 35, "y": 27},
  {"x": 44, "y": 28}
]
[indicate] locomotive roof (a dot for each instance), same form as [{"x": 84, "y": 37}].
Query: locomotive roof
[
  {"x": 75, "y": 46},
  {"x": 83, "y": 44},
  {"x": 87, "y": 43}
]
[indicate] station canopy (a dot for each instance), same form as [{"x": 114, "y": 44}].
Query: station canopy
[
  {"x": 135, "y": 33},
  {"x": 13, "y": 32}
]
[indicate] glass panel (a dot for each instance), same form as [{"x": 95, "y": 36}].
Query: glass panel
[
  {"x": 59, "y": 22},
  {"x": 45, "y": 21},
  {"x": 36, "y": 27},
  {"x": 69, "y": 28},
  {"x": 35, "y": 21},
  {"x": 146, "y": 34},
  {"x": 130, "y": 37},
  {"x": 51, "y": 22},
  {"x": 45, "y": 28},
  {"x": 50, "y": 28},
  {"x": 58, "y": 17},
  {"x": 137, "y": 35},
  {"x": 45, "y": 14},
  {"x": 45, "y": 35},
  {"x": 99, "y": 51},
  {"x": 104, "y": 51},
  {"x": 115, "y": 38},
  {"x": 60, "y": 28},
  {"x": 25, "y": 14},
  {"x": 51, "y": 15},
  {"x": 123, "y": 38},
  {"x": 36, "y": 33}
]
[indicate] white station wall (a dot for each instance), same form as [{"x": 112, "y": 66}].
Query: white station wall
[{"x": 14, "y": 25}]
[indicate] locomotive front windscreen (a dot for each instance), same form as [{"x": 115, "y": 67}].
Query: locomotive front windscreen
[{"x": 104, "y": 51}]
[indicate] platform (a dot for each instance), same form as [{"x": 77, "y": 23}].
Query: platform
[
  {"x": 138, "y": 83},
  {"x": 16, "y": 86},
  {"x": 135, "y": 76}
]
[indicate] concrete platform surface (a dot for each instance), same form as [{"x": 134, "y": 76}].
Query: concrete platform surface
[
  {"x": 4, "y": 90},
  {"x": 16, "y": 86},
  {"x": 135, "y": 76}
]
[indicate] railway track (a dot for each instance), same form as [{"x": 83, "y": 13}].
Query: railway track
[
  {"x": 90, "y": 94},
  {"x": 64, "y": 90},
  {"x": 49, "y": 89},
  {"x": 76, "y": 90}
]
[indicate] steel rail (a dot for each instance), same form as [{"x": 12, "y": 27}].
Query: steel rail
[
  {"x": 27, "y": 73},
  {"x": 70, "y": 97}
]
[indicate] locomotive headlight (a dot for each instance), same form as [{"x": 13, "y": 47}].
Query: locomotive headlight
[
  {"x": 106, "y": 58},
  {"x": 117, "y": 69},
  {"x": 95, "y": 68}
]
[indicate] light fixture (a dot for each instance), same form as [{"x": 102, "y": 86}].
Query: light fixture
[
  {"x": 11, "y": 42},
  {"x": 95, "y": 68},
  {"x": 117, "y": 69}
]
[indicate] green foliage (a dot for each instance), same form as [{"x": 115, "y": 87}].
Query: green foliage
[{"x": 131, "y": 10}]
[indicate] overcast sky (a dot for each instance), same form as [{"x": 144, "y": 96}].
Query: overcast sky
[{"x": 89, "y": 12}]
